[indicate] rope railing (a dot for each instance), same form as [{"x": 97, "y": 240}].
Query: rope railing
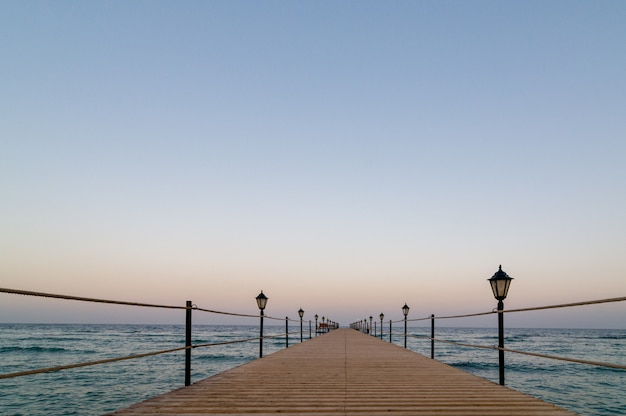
[
  {"x": 533, "y": 354},
  {"x": 190, "y": 307},
  {"x": 128, "y": 357},
  {"x": 187, "y": 348},
  {"x": 88, "y": 363},
  {"x": 533, "y": 308},
  {"x": 84, "y": 299},
  {"x": 360, "y": 325},
  {"x": 127, "y": 303}
]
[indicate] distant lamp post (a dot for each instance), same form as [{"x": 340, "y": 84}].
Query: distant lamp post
[
  {"x": 370, "y": 330},
  {"x": 301, "y": 313},
  {"x": 316, "y": 329},
  {"x": 261, "y": 301},
  {"x": 381, "y": 316},
  {"x": 405, "y": 311},
  {"x": 500, "y": 283}
]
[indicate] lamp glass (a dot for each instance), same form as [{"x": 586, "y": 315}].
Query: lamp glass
[
  {"x": 261, "y": 300},
  {"x": 301, "y": 313},
  {"x": 405, "y": 309},
  {"x": 500, "y": 283}
]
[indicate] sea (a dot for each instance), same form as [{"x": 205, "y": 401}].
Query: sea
[{"x": 99, "y": 389}]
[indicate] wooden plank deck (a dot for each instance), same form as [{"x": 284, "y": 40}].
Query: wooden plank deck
[{"x": 347, "y": 373}]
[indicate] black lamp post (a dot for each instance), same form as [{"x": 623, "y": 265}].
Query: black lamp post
[
  {"x": 370, "y": 331},
  {"x": 301, "y": 313},
  {"x": 405, "y": 311},
  {"x": 261, "y": 301},
  {"x": 316, "y": 329},
  {"x": 500, "y": 283},
  {"x": 381, "y": 316}
]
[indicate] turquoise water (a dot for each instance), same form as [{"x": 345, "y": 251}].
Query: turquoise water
[{"x": 95, "y": 390}]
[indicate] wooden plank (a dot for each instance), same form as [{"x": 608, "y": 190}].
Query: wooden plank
[{"x": 344, "y": 372}]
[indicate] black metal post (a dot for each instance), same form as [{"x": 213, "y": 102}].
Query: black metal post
[
  {"x": 381, "y": 329},
  {"x": 309, "y": 329},
  {"x": 261, "y": 337},
  {"x": 300, "y": 329},
  {"x": 390, "y": 329},
  {"x": 501, "y": 340},
  {"x": 188, "y": 344},
  {"x": 432, "y": 336},
  {"x": 286, "y": 332},
  {"x": 404, "y": 331}
]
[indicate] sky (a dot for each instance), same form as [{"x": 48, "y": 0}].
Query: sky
[{"x": 343, "y": 157}]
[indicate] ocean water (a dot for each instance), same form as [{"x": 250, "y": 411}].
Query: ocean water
[
  {"x": 95, "y": 390},
  {"x": 581, "y": 388}
]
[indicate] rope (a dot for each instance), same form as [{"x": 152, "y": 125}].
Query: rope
[
  {"x": 534, "y": 308},
  {"x": 117, "y": 302},
  {"x": 88, "y": 363},
  {"x": 533, "y": 354},
  {"x": 227, "y": 313},
  {"x": 571, "y": 360},
  {"x": 83, "y": 299},
  {"x": 129, "y": 357},
  {"x": 568, "y": 305},
  {"x": 224, "y": 343}
]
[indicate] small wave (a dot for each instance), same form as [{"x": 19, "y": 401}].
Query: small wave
[
  {"x": 33, "y": 349},
  {"x": 473, "y": 365}
]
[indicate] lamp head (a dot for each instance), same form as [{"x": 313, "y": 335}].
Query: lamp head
[
  {"x": 500, "y": 283},
  {"x": 261, "y": 300}
]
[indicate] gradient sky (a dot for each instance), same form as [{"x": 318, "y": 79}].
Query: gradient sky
[{"x": 343, "y": 157}]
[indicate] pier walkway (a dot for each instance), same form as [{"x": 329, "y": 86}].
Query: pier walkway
[{"x": 344, "y": 372}]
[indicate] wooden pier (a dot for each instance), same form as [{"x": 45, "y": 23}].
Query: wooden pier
[{"x": 344, "y": 372}]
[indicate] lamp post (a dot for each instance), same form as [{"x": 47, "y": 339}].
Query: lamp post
[
  {"x": 500, "y": 283},
  {"x": 405, "y": 311},
  {"x": 189, "y": 307},
  {"x": 316, "y": 329},
  {"x": 381, "y": 316},
  {"x": 432, "y": 336},
  {"x": 301, "y": 313},
  {"x": 370, "y": 331},
  {"x": 261, "y": 301}
]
